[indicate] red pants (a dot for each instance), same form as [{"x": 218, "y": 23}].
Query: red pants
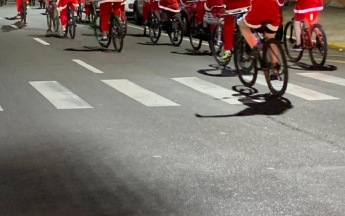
[
  {"x": 63, "y": 15},
  {"x": 19, "y": 5},
  {"x": 146, "y": 10},
  {"x": 87, "y": 9},
  {"x": 228, "y": 32},
  {"x": 105, "y": 10},
  {"x": 200, "y": 7}
]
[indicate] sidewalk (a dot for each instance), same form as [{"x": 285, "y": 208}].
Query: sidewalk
[{"x": 333, "y": 21}]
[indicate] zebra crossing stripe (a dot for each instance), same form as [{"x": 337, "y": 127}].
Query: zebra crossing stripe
[
  {"x": 215, "y": 91},
  {"x": 59, "y": 95},
  {"x": 325, "y": 78},
  {"x": 299, "y": 91},
  {"x": 139, "y": 93}
]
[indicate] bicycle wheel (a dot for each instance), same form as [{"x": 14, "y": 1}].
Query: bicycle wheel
[
  {"x": 117, "y": 34},
  {"x": 276, "y": 84},
  {"x": 98, "y": 31},
  {"x": 1, "y": 3},
  {"x": 79, "y": 13},
  {"x": 194, "y": 33},
  {"x": 176, "y": 33},
  {"x": 243, "y": 63},
  {"x": 71, "y": 22},
  {"x": 23, "y": 13},
  {"x": 289, "y": 40},
  {"x": 124, "y": 23},
  {"x": 155, "y": 30},
  {"x": 320, "y": 44},
  {"x": 55, "y": 19},
  {"x": 216, "y": 45},
  {"x": 92, "y": 12}
]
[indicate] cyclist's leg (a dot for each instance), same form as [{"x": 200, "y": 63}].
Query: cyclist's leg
[
  {"x": 104, "y": 13},
  {"x": 200, "y": 12},
  {"x": 19, "y": 8},
  {"x": 228, "y": 35},
  {"x": 63, "y": 19},
  {"x": 155, "y": 8},
  {"x": 297, "y": 26},
  {"x": 117, "y": 9},
  {"x": 146, "y": 11}
]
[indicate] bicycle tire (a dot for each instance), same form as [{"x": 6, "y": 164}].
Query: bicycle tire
[
  {"x": 179, "y": 25},
  {"x": 79, "y": 13},
  {"x": 289, "y": 28},
  {"x": 71, "y": 23},
  {"x": 284, "y": 66},
  {"x": 124, "y": 24},
  {"x": 154, "y": 25},
  {"x": 97, "y": 28},
  {"x": 55, "y": 19},
  {"x": 192, "y": 31},
  {"x": 325, "y": 46},
  {"x": 215, "y": 53},
  {"x": 23, "y": 13},
  {"x": 239, "y": 51},
  {"x": 117, "y": 33}
]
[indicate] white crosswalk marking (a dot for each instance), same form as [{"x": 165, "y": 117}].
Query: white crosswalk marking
[
  {"x": 59, "y": 95},
  {"x": 1, "y": 109},
  {"x": 139, "y": 94},
  {"x": 299, "y": 91},
  {"x": 213, "y": 90},
  {"x": 325, "y": 78}
]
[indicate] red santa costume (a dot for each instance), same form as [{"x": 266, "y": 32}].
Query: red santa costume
[
  {"x": 207, "y": 5},
  {"x": 264, "y": 10},
  {"x": 146, "y": 10},
  {"x": 105, "y": 9},
  {"x": 62, "y": 7},
  {"x": 307, "y": 7},
  {"x": 229, "y": 21},
  {"x": 169, "y": 5}
]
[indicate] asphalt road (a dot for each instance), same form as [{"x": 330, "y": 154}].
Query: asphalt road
[{"x": 155, "y": 130}]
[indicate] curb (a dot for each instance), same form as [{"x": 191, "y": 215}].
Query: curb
[{"x": 337, "y": 46}]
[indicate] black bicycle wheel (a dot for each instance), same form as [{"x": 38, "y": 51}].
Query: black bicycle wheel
[
  {"x": 71, "y": 23},
  {"x": 117, "y": 34},
  {"x": 320, "y": 44},
  {"x": 49, "y": 20},
  {"x": 124, "y": 24},
  {"x": 243, "y": 63},
  {"x": 23, "y": 13},
  {"x": 92, "y": 12},
  {"x": 289, "y": 39},
  {"x": 278, "y": 85},
  {"x": 155, "y": 30},
  {"x": 194, "y": 33},
  {"x": 79, "y": 13},
  {"x": 176, "y": 33},
  {"x": 55, "y": 21},
  {"x": 216, "y": 45},
  {"x": 98, "y": 31}
]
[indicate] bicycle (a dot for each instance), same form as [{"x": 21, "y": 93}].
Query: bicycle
[
  {"x": 71, "y": 26},
  {"x": 23, "y": 13},
  {"x": 173, "y": 25},
  {"x": 307, "y": 41},
  {"x": 217, "y": 35},
  {"x": 197, "y": 34},
  {"x": 264, "y": 61},
  {"x": 52, "y": 17},
  {"x": 115, "y": 31}
]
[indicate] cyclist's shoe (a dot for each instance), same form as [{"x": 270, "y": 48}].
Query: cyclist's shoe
[
  {"x": 227, "y": 55},
  {"x": 104, "y": 41},
  {"x": 297, "y": 48},
  {"x": 145, "y": 23},
  {"x": 275, "y": 74},
  {"x": 255, "y": 51},
  {"x": 64, "y": 33}
]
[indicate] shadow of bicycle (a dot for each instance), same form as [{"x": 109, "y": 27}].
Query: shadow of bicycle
[
  {"x": 268, "y": 105},
  {"x": 307, "y": 67},
  {"x": 90, "y": 49},
  {"x": 218, "y": 71}
]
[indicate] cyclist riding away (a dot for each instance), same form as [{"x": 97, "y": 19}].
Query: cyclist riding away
[
  {"x": 229, "y": 24},
  {"x": 169, "y": 6},
  {"x": 262, "y": 11},
  {"x": 62, "y": 7},
  {"x": 305, "y": 10},
  {"x": 207, "y": 6},
  {"x": 105, "y": 9},
  {"x": 19, "y": 9}
]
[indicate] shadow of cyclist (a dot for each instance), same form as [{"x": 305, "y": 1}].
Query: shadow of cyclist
[
  {"x": 218, "y": 71},
  {"x": 270, "y": 104}
]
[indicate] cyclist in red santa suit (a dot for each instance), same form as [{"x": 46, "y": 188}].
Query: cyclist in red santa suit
[
  {"x": 229, "y": 24},
  {"x": 305, "y": 9},
  {"x": 207, "y": 5},
  {"x": 62, "y": 7},
  {"x": 146, "y": 11}
]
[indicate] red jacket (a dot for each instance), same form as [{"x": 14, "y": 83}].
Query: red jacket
[{"x": 307, "y": 6}]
